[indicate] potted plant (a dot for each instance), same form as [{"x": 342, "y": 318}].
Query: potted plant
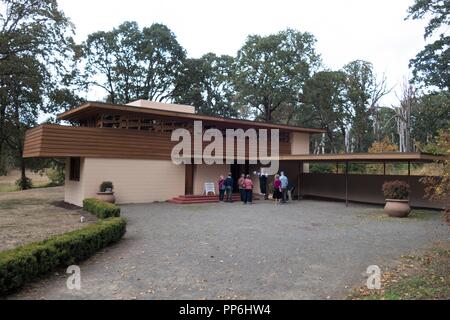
[
  {"x": 106, "y": 192},
  {"x": 397, "y": 198}
]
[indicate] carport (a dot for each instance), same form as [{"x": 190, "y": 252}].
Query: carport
[{"x": 342, "y": 185}]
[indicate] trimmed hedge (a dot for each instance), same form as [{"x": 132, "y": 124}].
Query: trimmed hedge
[
  {"x": 100, "y": 208},
  {"x": 23, "y": 264}
]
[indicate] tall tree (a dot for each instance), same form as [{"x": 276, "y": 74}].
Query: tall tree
[
  {"x": 430, "y": 114},
  {"x": 98, "y": 51},
  {"x": 206, "y": 84},
  {"x": 430, "y": 67},
  {"x": 35, "y": 42},
  {"x": 324, "y": 107},
  {"x": 388, "y": 129},
  {"x": 439, "y": 10},
  {"x": 363, "y": 94},
  {"x": 271, "y": 70},
  {"x": 129, "y": 63},
  {"x": 403, "y": 117},
  {"x": 126, "y": 72},
  {"x": 111, "y": 61},
  {"x": 162, "y": 58},
  {"x": 23, "y": 95}
]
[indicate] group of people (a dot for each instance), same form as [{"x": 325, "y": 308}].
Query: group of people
[
  {"x": 282, "y": 189},
  {"x": 226, "y": 186}
]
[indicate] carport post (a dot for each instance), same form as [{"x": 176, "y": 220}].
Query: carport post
[
  {"x": 409, "y": 178},
  {"x": 346, "y": 183},
  {"x": 299, "y": 177}
]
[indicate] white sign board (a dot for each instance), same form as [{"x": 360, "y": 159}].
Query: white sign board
[{"x": 209, "y": 188}]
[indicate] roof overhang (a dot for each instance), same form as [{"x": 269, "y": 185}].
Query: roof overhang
[
  {"x": 366, "y": 157},
  {"x": 92, "y": 108},
  {"x": 333, "y": 158}
]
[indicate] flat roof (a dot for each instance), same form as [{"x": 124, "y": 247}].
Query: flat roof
[{"x": 95, "y": 107}]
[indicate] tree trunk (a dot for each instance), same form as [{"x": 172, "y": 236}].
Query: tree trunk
[
  {"x": 2, "y": 161},
  {"x": 268, "y": 114},
  {"x": 23, "y": 175}
]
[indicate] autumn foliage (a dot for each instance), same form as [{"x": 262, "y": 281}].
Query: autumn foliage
[
  {"x": 438, "y": 188},
  {"x": 384, "y": 145}
]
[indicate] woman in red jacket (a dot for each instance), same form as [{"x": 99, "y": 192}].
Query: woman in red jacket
[
  {"x": 248, "y": 186},
  {"x": 277, "y": 195}
]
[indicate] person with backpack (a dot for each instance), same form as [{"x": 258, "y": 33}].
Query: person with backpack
[{"x": 229, "y": 188}]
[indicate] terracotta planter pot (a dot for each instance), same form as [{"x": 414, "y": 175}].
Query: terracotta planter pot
[
  {"x": 397, "y": 208},
  {"x": 106, "y": 196}
]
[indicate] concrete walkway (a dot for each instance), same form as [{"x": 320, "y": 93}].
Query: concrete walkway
[{"x": 301, "y": 250}]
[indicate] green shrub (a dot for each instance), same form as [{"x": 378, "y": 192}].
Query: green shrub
[
  {"x": 106, "y": 185},
  {"x": 56, "y": 176},
  {"x": 100, "y": 208},
  {"x": 322, "y": 168},
  {"x": 24, "y": 183},
  {"x": 398, "y": 190},
  {"x": 23, "y": 264}
]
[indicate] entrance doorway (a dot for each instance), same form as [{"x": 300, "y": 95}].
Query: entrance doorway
[{"x": 189, "y": 179}]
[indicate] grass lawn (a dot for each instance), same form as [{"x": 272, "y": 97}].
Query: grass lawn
[
  {"x": 35, "y": 215},
  {"x": 416, "y": 277},
  {"x": 8, "y": 183}
]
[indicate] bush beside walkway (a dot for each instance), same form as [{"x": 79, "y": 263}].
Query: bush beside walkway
[
  {"x": 23, "y": 264},
  {"x": 100, "y": 208}
]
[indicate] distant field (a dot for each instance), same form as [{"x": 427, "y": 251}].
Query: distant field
[{"x": 8, "y": 182}]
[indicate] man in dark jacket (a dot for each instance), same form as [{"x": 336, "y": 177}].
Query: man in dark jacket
[
  {"x": 229, "y": 188},
  {"x": 263, "y": 184}
]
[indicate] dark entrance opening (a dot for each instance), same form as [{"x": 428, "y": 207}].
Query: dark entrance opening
[{"x": 189, "y": 179}]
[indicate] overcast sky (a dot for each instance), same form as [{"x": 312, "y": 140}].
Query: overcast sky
[{"x": 346, "y": 30}]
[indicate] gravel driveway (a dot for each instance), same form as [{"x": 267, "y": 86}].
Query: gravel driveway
[{"x": 302, "y": 250}]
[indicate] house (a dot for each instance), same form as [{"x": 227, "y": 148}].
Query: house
[{"x": 131, "y": 146}]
